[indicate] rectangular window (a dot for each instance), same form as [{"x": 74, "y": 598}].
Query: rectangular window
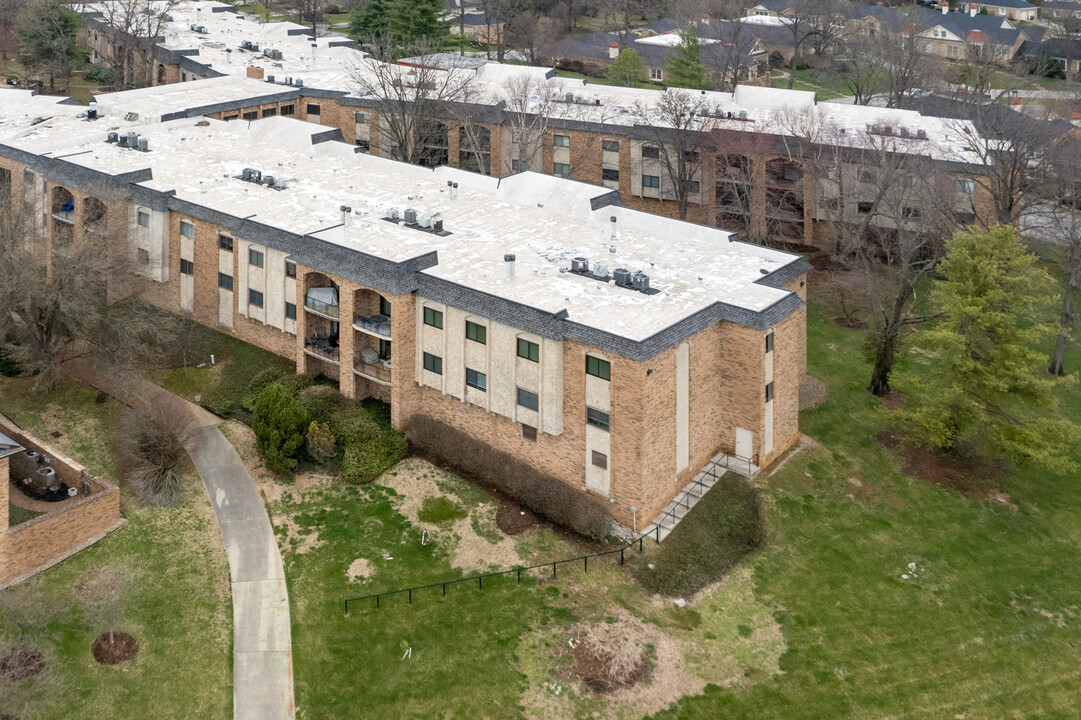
[
  {"x": 610, "y": 145},
  {"x": 769, "y": 342},
  {"x": 562, "y": 141},
  {"x": 598, "y": 368},
  {"x": 529, "y": 433},
  {"x": 965, "y": 186},
  {"x": 912, "y": 213},
  {"x": 384, "y": 306},
  {"x": 270, "y": 112},
  {"x": 144, "y": 219},
  {"x": 528, "y": 400},
  {"x": 187, "y": 229},
  {"x": 287, "y": 109},
  {"x": 255, "y": 258},
  {"x": 600, "y": 460},
  {"x": 433, "y": 363},
  {"x": 361, "y": 118},
  {"x": 596, "y": 418},
  {"x": 609, "y": 174},
  {"x": 225, "y": 243},
  {"x": 563, "y": 169},
  {"x": 187, "y": 267},
  {"x": 651, "y": 181},
  {"x": 693, "y": 186},
  {"x": 476, "y": 333},
  {"x": 518, "y": 166},
  {"x": 476, "y": 379},
  {"x": 290, "y": 269},
  {"x": 313, "y": 109},
  {"x": 656, "y": 74},
  {"x": 864, "y": 208},
  {"x": 143, "y": 256},
  {"x": 225, "y": 282},
  {"x": 290, "y": 311},
  {"x": 433, "y": 317},
  {"x": 650, "y": 152},
  {"x": 769, "y": 392},
  {"x": 251, "y": 115},
  {"x": 255, "y": 298},
  {"x": 528, "y": 350}
]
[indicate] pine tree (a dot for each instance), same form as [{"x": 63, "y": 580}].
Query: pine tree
[
  {"x": 414, "y": 20},
  {"x": 279, "y": 422},
  {"x": 987, "y": 379},
  {"x": 628, "y": 69},
  {"x": 371, "y": 22},
  {"x": 685, "y": 69}
]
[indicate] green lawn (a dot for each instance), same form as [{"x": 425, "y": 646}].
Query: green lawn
[
  {"x": 828, "y": 86},
  {"x": 603, "y": 81},
  {"x": 178, "y": 606}
]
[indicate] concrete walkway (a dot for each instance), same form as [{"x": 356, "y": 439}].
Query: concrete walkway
[{"x": 262, "y": 645}]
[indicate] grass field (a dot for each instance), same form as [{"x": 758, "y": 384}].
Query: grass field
[{"x": 178, "y": 606}]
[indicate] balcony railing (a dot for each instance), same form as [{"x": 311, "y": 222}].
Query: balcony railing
[
  {"x": 376, "y": 371},
  {"x": 320, "y": 307},
  {"x": 65, "y": 216},
  {"x": 321, "y": 347},
  {"x": 376, "y": 324}
]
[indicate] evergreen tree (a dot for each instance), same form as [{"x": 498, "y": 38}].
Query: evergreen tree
[
  {"x": 987, "y": 379},
  {"x": 279, "y": 422},
  {"x": 628, "y": 69},
  {"x": 371, "y": 22},
  {"x": 685, "y": 69},
  {"x": 415, "y": 20},
  {"x": 48, "y": 30}
]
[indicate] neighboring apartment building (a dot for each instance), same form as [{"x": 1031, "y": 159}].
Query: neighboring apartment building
[{"x": 615, "y": 350}]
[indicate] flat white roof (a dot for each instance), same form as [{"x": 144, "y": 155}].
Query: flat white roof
[{"x": 543, "y": 220}]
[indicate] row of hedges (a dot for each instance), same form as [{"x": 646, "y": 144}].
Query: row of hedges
[{"x": 542, "y": 494}]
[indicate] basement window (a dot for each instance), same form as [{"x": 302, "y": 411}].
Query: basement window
[{"x": 529, "y": 432}]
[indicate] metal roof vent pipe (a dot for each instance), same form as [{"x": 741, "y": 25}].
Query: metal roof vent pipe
[
  {"x": 613, "y": 225},
  {"x": 347, "y": 213},
  {"x": 454, "y": 191},
  {"x": 509, "y": 259}
]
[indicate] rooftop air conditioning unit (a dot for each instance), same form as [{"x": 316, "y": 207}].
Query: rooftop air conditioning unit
[
  {"x": 424, "y": 221},
  {"x": 268, "y": 180},
  {"x": 742, "y": 114},
  {"x": 122, "y": 140},
  {"x": 270, "y": 78},
  {"x": 640, "y": 281},
  {"x": 622, "y": 276},
  {"x": 246, "y": 44},
  {"x": 112, "y": 137},
  {"x": 921, "y": 134},
  {"x": 144, "y": 145},
  {"x": 437, "y": 225},
  {"x": 246, "y": 173},
  {"x": 298, "y": 82},
  {"x": 579, "y": 264},
  {"x": 280, "y": 183},
  {"x": 600, "y": 270},
  {"x": 903, "y": 132},
  {"x": 255, "y": 47},
  {"x": 257, "y": 176},
  {"x": 392, "y": 213},
  {"x": 410, "y": 216},
  {"x": 568, "y": 97},
  {"x": 133, "y": 140}
]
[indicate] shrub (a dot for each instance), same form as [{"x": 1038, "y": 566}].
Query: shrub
[
  {"x": 437, "y": 510},
  {"x": 776, "y": 59},
  {"x": 9, "y": 366},
  {"x": 720, "y": 531},
  {"x": 98, "y": 74},
  {"x": 543, "y": 494},
  {"x": 152, "y": 444},
  {"x": 258, "y": 382},
  {"x": 320, "y": 441},
  {"x": 279, "y": 422},
  {"x": 365, "y": 462}
]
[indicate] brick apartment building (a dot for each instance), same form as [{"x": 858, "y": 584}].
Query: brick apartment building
[{"x": 616, "y": 350}]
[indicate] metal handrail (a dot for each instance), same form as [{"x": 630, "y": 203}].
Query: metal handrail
[{"x": 321, "y": 307}]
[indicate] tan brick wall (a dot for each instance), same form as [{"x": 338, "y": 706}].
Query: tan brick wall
[{"x": 5, "y": 475}]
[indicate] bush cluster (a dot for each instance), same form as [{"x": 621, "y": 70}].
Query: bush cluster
[
  {"x": 543, "y": 494},
  {"x": 718, "y": 533},
  {"x": 279, "y": 422},
  {"x": 152, "y": 445}
]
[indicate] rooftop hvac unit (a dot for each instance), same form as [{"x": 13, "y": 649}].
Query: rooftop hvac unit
[
  {"x": 122, "y": 140},
  {"x": 903, "y": 132},
  {"x": 437, "y": 225},
  {"x": 144, "y": 145},
  {"x": 112, "y": 137},
  {"x": 921, "y": 134},
  {"x": 255, "y": 47},
  {"x": 392, "y": 213},
  {"x": 247, "y": 173},
  {"x": 410, "y": 216},
  {"x": 270, "y": 78},
  {"x": 742, "y": 114},
  {"x": 622, "y": 276},
  {"x": 298, "y": 82},
  {"x": 568, "y": 97},
  {"x": 640, "y": 281},
  {"x": 579, "y": 264},
  {"x": 280, "y": 183},
  {"x": 424, "y": 221},
  {"x": 246, "y": 44},
  {"x": 269, "y": 180},
  {"x": 257, "y": 176},
  {"x": 600, "y": 270},
  {"x": 133, "y": 140}
]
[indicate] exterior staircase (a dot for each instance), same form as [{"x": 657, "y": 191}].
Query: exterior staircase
[{"x": 696, "y": 489}]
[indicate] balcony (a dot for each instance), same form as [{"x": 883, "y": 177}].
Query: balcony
[
  {"x": 320, "y": 307},
  {"x": 378, "y": 371},
  {"x": 65, "y": 216},
  {"x": 324, "y": 347},
  {"x": 378, "y": 325}
]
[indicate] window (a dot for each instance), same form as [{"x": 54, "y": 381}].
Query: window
[
  {"x": 769, "y": 392},
  {"x": 832, "y": 204},
  {"x": 650, "y": 152},
  {"x": 868, "y": 176},
  {"x": 225, "y": 243},
  {"x": 227, "y": 118},
  {"x": 528, "y": 400},
  {"x": 433, "y": 363},
  {"x": 692, "y": 186},
  {"x": 596, "y": 418},
  {"x": 290, "y": 311},
  {"x": 144, "y": 219},
  {"x": 313, "y": 108},
  {"x": 143, "y": 256},
  {"x": 769, "y": 342},
  {"x": 270, "y": 112},
  {"x": 255, "y": 298},
  {"x": 610, "y": 145},
  {"x": 965, "y": 186},
  {"x": 476, "y": 379},
  {"x": 864, "y": 208},
  {"x": 518, "y": 166},
  {"x": 255, "y": 258},
  {"x": 476, "y": 333},
  {"x": 251, "y": 115},
  {"x": 529, "y": 433},
  {"x": 187, "y": 267},
  {"x": 287, "y": 109},
  {"x": 831, "y": 174},
  {"x": 952, "y": 51},
  {"x": 290, "y": 269},
  {"x": 912, "y": 213},
  {"x": 651, "y": 181},
  {"x": 656, "y": 74},
  {"x": 561, "y": 169},
  {"x": 528, "y": 350},
  {"x": 384, "y": 306},
  {"x": 609, "y": 174},
  {"x": 690, "y": 156},
  {"x": 362, "y": 118},
  {"x": 600, "y": 460},
  {"x": 562, "y": 141},
  {"x": 598, "y": 368},
  {"x": 433, "y": 317},
  {"x": 225, "y": 282},
  {"x": 187, "y": 229}
]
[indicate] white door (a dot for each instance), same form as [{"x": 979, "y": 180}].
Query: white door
[{"x": 744, "y": 443}]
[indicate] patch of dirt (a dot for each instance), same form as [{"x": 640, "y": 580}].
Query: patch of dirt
[
  {"x": 850, "y": 322},
  {"x": 893, "y": 400},
  {"x": 360, "y": 569},
  {"x": 972, "y": 476},
  {"x": 21, "y": 663},
  {"x": 609, "y": 656},
  {"x": 812, "y": 393},
  {"x": 122, "y": 648},
  {"x": 513, "y": 519}
]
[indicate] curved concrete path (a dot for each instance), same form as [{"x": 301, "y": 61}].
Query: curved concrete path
[{"x": 262, "y": 645}]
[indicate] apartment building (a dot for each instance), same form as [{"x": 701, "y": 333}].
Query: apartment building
[
  {"x": 607, "y": 136},
  {"x": 613, "y": 349}
]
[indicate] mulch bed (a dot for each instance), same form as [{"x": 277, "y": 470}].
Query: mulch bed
[
  {"x": 893, "y": 400},
  {"x": 971, "y": 476},
  {"x": 21, "y": 663},
  {"x": 513, "y": 519},
  {"x": 123, "y": 648},
  {"x": 850, "y": 323},
  {"x": 596, "y": 674}
]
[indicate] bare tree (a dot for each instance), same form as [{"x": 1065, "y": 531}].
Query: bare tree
[
  {"x": 107, "y": 590},
  {"x": 135, "y": 27},
  {"x": 153, "y": 444},
  {"x": 309, "y": 12},
  {"x": 906, "y": 68},
  {"x": 861, "y": 70},
  {"x": 29, "y": 681}
]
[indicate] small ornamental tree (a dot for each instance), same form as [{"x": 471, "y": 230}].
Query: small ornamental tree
[
  {"x": 685, "y": 69},
  {"x": 628, "y": 69},
  {"x": 320, "y": 441},
  {"x": 279, "y": 422},
  {"x": 987, "y": 379}
]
